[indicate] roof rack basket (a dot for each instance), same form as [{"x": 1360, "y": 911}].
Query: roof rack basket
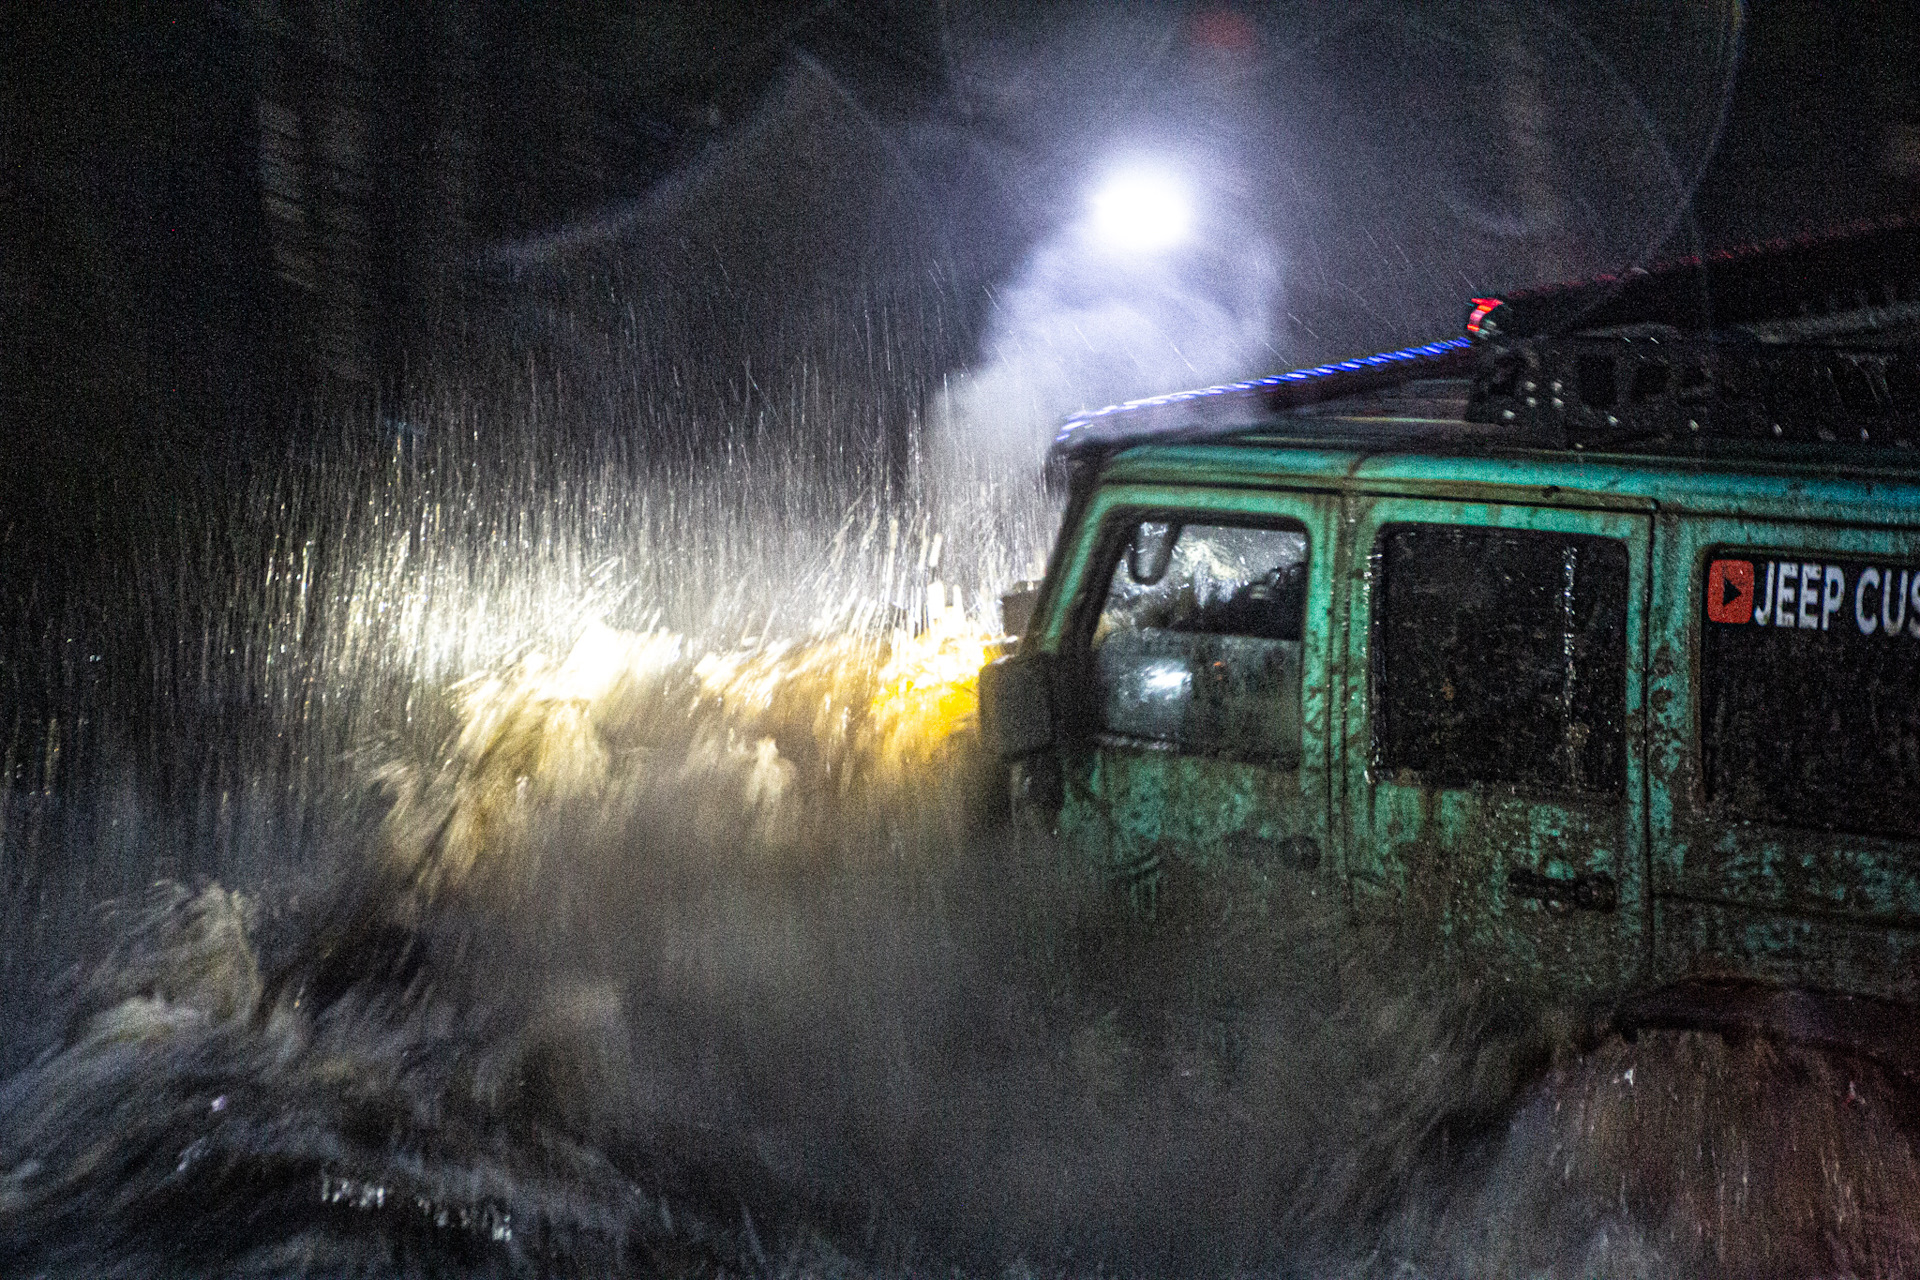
[{"x": 1810, "y": 341}]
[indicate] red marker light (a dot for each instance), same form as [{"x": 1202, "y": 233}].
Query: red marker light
[{"x": 1475, "y": 318}]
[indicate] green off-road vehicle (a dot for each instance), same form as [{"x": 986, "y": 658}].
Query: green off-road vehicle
[{"x": 1586, "y": 645}]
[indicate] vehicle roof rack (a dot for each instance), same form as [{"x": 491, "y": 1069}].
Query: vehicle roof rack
[
  {"x": 1847, "y": 272},
  {"x": 1810, "y": 341}
]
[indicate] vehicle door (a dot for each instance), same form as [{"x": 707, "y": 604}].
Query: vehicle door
[
  {"x": 1493, "y": 763},
  {"x": 1196, "y": 659},
  {"x": 1786, "y": 753}
]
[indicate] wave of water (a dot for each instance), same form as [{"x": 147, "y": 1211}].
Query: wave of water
[{"x": 682, "y": 962}]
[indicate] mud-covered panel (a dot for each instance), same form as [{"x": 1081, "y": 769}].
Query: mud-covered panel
[
  {"x": 1195, "y": 679},
  {"x": 1810, "y": 692},
  {"x": 1870, "y": 879},
  {"x": 1492, "y": 737},
  {"x": 1722, "y": 940},
  {"x": 1143, "y": 815},
  {"x": 1539, "y": 893},
  {"x": 1786, "y": 718}
]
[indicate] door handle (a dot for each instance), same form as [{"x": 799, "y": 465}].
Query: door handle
[{"x": 1594, "y": 891}]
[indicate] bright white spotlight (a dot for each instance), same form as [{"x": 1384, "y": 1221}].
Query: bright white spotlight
[{"x": 1142, "y": 210}]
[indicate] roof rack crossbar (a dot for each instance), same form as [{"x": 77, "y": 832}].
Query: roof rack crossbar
[{"x": 1215, "y": 412}]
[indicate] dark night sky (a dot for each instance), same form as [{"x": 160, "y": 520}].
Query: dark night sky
[{"x": 154, "y": 305}]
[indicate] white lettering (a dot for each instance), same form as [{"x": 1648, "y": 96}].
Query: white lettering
[
  {"x": 1763, "y": 601},
  {"x": 1836, "y": 588},
  {"x": 1869, "y": 619},
  {"x": 1784, "y": 596},
  {"x": 1895, "y": 621},
  {"x": 1809, "y": 595},
  {"x": 1913, "y": 614}
]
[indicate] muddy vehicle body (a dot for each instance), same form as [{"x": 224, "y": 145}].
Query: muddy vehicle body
[{"x": 1586, "y": 645}]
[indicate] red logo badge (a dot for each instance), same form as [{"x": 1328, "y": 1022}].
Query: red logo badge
[{"x": 1730, "y": 591}]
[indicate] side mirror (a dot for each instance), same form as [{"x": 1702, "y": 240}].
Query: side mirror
[
  {"x": 1016, "y": 705},
  {"x": 1151, "y": 551}
]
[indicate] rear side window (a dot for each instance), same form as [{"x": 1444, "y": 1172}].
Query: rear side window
[
  {"x": 1499, "y": 656},
  {"x": 1197, "y": 647},
  {"x": 1810, "y": 691}
]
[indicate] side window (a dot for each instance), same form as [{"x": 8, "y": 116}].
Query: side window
[
  {"x": 1499, "y": 656},
  {"x": 1197, "y": 646},
  {"x": 1810, "y": 691}
]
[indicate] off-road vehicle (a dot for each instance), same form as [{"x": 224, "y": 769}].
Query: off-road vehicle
[{"x": 1586, "y": 644}]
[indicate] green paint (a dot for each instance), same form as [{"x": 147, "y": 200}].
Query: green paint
[{"x": 1689, "y": 889}]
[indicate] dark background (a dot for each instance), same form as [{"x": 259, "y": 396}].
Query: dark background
[{"x": 213, "y": 212}]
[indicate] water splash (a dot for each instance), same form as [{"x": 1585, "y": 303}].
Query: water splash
[
  {"x": 679, "y": 956},
  {"x": 579, "y": 801}
]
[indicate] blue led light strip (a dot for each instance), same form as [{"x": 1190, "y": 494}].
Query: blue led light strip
[{"x": 1360, "y": 364}]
